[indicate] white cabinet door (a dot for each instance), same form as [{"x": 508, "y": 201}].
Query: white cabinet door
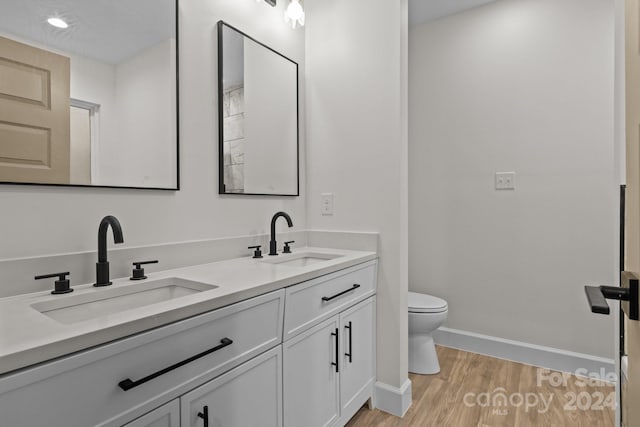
[
  {"x": 249, "y": 395},
  {"x": 311, "y": 365},
  {"x": 357, "y": 371},
  {"x": 165, "y": 416}
]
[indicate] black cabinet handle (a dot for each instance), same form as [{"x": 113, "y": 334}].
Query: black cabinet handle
[
  {"x": 350, "y": 354},
  {"x": 128, "y": 384},
  {"x": 353, "y": 288},
  {"x": 204, "y": 415},
  {"x": 336, "y": 363}
]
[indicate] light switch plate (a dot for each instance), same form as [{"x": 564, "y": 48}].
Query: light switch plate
[
  {"x": 326, "y": 203},
  {"x": 505, "y": 181}
]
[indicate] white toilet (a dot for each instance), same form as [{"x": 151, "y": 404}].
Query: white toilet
[{"x": 426, "y": 314}]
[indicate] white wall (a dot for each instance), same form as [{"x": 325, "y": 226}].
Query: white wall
[
  {"x": 523, "y": 86},
  {"x": 270, "y": 128},
  {"x": 144, "y": 150},
  {"x": 46, "y": 220},
  {"x": 95, "y": 82},
  {"x": 356, "y": 146}
]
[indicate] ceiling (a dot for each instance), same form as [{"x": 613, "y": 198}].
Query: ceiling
[
  {"x": 107, "y": 30},
  {"x": 114, "y": 30},
  {"x": 421, "y": 11}
]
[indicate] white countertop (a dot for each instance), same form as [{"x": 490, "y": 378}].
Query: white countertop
[{"x": 28, "y": 337}]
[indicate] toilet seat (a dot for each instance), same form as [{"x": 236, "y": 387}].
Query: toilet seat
[{"x": 422, "y": 303}]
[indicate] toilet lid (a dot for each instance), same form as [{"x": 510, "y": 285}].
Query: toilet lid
[{"x": 423, "y": 303}]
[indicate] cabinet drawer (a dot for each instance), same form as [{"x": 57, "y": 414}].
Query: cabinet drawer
[
  {"x": 311, "y": 302},
  {"x": 83, "y": 389}
]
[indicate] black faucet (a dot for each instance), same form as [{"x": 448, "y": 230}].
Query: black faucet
[
  {"x": 272, "y": 243},
  {"x": 102, "y": 266}
]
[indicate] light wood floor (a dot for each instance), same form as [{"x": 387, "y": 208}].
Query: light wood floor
[{"x": 454, "y": 397}]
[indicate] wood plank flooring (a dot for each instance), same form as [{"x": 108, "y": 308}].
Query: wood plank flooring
[{"x": 470, "y": 391}]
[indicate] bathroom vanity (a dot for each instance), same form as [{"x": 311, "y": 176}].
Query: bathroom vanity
[{"x": 287, "y": 340}]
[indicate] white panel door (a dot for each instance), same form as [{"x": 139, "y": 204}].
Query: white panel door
[{"x": 311, "y": 375}]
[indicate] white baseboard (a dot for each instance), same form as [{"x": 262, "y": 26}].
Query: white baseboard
[
  {"x": 516, "y": 351},
  {"x": 393, "y": 400}
]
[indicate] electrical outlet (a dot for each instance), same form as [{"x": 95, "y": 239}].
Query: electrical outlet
[
  {"x": 505, "y": 181},
  {"x": 326, "y": 203}
]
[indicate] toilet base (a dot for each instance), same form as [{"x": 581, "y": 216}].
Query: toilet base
[{"x": 423, "y": 358}]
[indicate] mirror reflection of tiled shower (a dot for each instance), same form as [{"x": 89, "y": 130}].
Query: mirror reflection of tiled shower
[{"x": 233, "y": 104}]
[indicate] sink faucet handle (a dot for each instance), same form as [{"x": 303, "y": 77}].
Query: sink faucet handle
[
  {"x": 138, "y": 271},
  {"x": 287, "y": 249},
  {"x": 257, "y": 253},
  {"x": 62, "y": 285}
]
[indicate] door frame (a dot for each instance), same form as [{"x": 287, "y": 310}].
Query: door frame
[{"x": 94, "y": 128}]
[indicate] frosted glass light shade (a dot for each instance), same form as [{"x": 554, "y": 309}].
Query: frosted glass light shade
[{"x": 294, "y": 14}]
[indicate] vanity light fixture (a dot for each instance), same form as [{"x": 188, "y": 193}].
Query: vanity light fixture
[
  {"x": 294, "y": 14},
  {"x": 57, "y": 22}
]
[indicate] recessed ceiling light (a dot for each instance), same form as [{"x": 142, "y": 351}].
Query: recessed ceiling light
[{"x": 57, "y": 22}]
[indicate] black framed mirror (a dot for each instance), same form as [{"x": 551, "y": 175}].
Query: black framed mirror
[
  {"x": 257, "y": 117},
  {"x": 89, "y": 93}
]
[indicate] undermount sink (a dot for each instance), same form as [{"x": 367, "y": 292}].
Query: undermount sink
[
  {"x": 302, "y": 259},
  {"x": 77, "y": 308}
]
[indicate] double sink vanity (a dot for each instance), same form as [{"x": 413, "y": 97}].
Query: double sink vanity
[{"x": 279, "y": 340}]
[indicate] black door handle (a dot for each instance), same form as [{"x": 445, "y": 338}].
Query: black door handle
[
  {"x": 627, "y": 293},
  {"x": 128, "y": 384},
  {"x": 204, "y": 415},
  {"x": 596, "y": 300},
  {"x": 337, "y": 362},
  {"x": 350, "y": 354},
  {"x": 354, "y": 287}
]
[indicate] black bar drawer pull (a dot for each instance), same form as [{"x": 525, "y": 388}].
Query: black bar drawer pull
[
  {"x": 354, "y": 287},
  {"x": 336, "y": 363},
  {"x": 350, "y": 354},
  {"x": 204, "y": 415},
  {"x": 128, "y": 384}
]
